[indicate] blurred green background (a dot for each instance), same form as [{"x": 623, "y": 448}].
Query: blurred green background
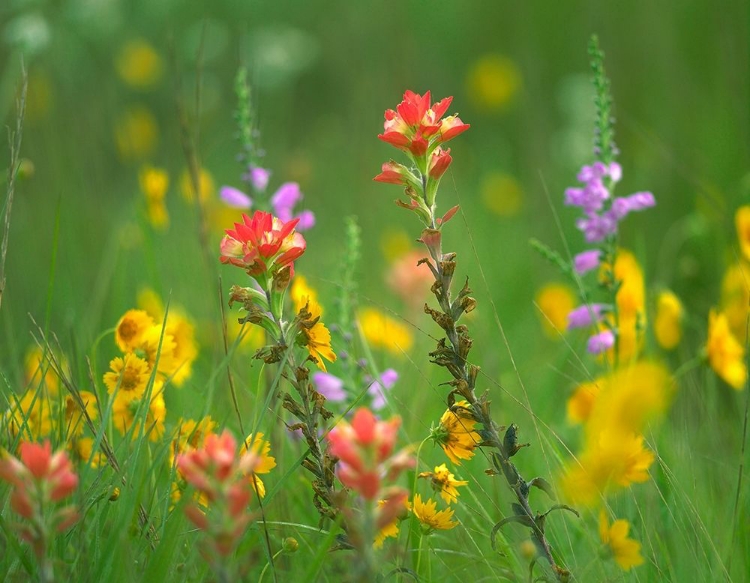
[{"x": 322, "y": 74}]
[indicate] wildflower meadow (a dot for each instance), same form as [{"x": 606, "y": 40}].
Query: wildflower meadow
[{"x": 227, "y": 355}]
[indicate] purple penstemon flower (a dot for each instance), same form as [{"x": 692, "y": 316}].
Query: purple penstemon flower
[
  {"x": 599, "y": 223},
  {"x": 330, "y": 386},
  {"x": 586, "y": 261},
  {"x": 258, "y": 177},
  {"x": 601, "y": 342},
  {"x": 283, "y": 202},
  {"x": 377, "y": 389},
  {"x": 235, "y": 197},
  {"x": 586, "y": 315}
]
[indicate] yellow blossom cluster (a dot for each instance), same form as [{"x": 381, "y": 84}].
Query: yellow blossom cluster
[
  {"x": 155, "y": 351},
  {"x": 382, "y": 331}
]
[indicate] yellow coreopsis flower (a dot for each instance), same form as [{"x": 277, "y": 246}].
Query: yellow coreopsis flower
[
  {"x": 317, "y": 336},
  {"x": 581, "y": 402},
  {"x": 158, "y": 348},
  {"x": 556, "y": 301},
  {"x": 725, "y": 354},
  {"x": 138, "y": 64},
  {"x": 261, "y": 448},
  {"x": 40, "y": 372},
  {"x": 301, "y": 293},
  {"x": 626, "y": 551},
  {"x": 429, "y": 516},
  {"x": 668, "y": 321},
  {"x": 84, "y": 450},
  {"x": 611, "y": 461},
  {"x": 131, "y": 328},
  {"x": 74, "y": 418},
  {"x": 154, "y": 184},
  {"x": 130, "y": 373},
  {"x": 629, "y": 397},
  {"x": 382, "y": 331},
  {"x": 735, "y": 298},
  {"x": 125, "y": 409},
  {"x": 31, "y": 416},
  {"x": 631, "y": 311},
  {"x": 455, "y": 433},
  {"x": 444, "y": 482}
]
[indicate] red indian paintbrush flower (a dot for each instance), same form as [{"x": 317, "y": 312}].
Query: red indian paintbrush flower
[
  {"x": 417, "y": 127},
  {"x": 364, "y": 448},
  {"x": 38, "y": 472},
  {"x": 262, "y": 244}
]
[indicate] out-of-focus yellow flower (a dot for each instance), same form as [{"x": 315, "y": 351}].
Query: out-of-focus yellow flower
[
  {"x": 556, "y": 301},
  {"x": 74, "y": 418},
  {"x": 39, "y": 372},
  {"x": 158, "y": 349},
  {"x": 493, "y": 81},
  {"x": 502, "y": 194},
  {"x": 125, "y": 409},
  {"x": 84, "y": 450},
  {"x": 428, "y": 515},
  {"x": 206, "y": 184},
  {"x": 154, "y": 184},
  {"x": 38, "y": 95},
  {"x": 318, "y": 338},
  {"x": 31, "y": 416},
  {"x": 581, "y": 402},
  {"x": 668, "y": 320},
  {"x": 444, "y": 482},
  {"x": 455, "y": 433},
  {"x": 253, "y": 337},
  {"x": 190, "y": 434},
  {"x": 138, "y": 64},
  {"x": 382, "y": 331},
  {"x": 180, "y": 328},
  {"x": 725, "y": 354},
  {"x": 631, "y": 304},
  {"x": 136, "y": 133},
  {"x": 131, "y": 328},
  {"x": 301, "y": 292},
  {"x": 735, "y": 298},
  {"x": 626, "y": 551},
  {"x": 630, "y": 397},
  {"x": 395, "y": 244},
  {"x": 612, "y": 461}
]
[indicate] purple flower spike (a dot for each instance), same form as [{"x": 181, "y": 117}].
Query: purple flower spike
[
  {"x": 585, "y": 315},
  {"x": 258, "y": 177},
  {"x": 330, "y": 386},
  {"x": 586, "y": 261},
  {"x": 598, "y": 343},
  {"x": 235, "y": 198},
  {"x": 284, "y": 199},
  {"x": 377, "y": 388}
]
